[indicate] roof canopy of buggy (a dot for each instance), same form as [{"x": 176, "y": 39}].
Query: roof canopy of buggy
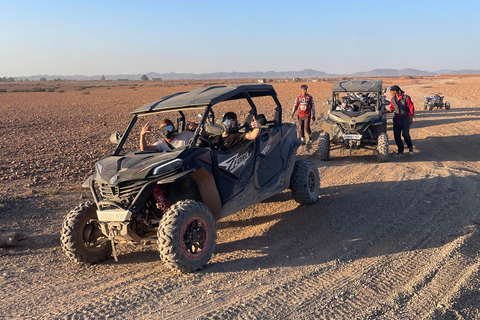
[
  {"x": 358, "y": 86},
  {"x": 205, "y": 96}
]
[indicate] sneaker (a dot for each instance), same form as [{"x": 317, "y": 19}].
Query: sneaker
[
  {"x": 411, "y": 152},
  {"x": 398, "y": 155},
  {"x": 303, "y": 142}
]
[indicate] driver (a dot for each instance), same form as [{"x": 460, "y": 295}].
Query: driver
[
  {"x": 345, "y": 105},
  {"x": 230, "y": 136},
  {"x": 170, "y": 140}
]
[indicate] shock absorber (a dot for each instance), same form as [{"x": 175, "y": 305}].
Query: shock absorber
[{"x": 160, "y": 199}]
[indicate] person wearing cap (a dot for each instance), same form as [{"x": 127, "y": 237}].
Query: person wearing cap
[
  {"x": 404, "y": 110},
  {"x": 170, "y": 140},
  {"x": 306, "y": 111},
  {"x": 230, "y": 136}
]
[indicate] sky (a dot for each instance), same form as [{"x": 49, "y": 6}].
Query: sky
[{"x": 135, "y": 37}]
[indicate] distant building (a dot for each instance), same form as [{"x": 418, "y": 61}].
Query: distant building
[{"x": 262, "y": 80}]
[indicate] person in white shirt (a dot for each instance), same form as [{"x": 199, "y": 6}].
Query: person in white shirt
[{"x": 170, "y": 140}]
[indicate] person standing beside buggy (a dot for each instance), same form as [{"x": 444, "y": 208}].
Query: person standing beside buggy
[
  {"x": 306, "y": 111},
  {"x": 404, "y": 110}
]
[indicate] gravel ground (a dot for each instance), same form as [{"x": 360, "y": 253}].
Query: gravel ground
[{"x": 394, "y": 240}]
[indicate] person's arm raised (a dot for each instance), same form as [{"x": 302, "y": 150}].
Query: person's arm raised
[{"x": 252, "y": 135}]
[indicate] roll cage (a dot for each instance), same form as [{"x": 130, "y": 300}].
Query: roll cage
[{"x": 204, "y": 98}]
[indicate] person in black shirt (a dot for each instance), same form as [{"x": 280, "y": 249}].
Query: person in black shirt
[{"x": 230, "y": 136}]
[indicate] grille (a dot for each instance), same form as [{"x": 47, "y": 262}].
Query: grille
[
  {"x": 123, "y": 191},
  {"x": 356, "y": 127}
]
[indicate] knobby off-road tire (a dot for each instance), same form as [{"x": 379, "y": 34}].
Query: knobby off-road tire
[
  {"x": 80, "y": 235},
  {"x": 382, "y": 147},
  {"x": 447, "y": 105},
  {"x": 186, "y": 236},
  {"x": 431, "y": 107},
  {"x": 305, "y": 182},
  {"x": 324, "y": 146},
  {"x": 425, "y": 106}
]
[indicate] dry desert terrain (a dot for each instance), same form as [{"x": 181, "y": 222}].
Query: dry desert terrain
[{"x": 394, "y": 240}]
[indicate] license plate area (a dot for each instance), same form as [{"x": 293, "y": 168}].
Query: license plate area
[
  {"x": 352, "y": 136},
  {"x": 113, "y": 215}
]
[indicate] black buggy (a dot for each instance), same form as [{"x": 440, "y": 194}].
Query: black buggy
[
  {"x": 175, "y": 197},
  {"x": 355, "y": 119}
]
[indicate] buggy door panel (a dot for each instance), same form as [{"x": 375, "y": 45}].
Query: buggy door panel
[
  {"x": 235, "y": 169},
  {"x": 269, "y": 159}
]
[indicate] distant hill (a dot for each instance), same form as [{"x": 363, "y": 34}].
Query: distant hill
[
  {"x": 307, "y": 73},
  {"x": 393, "y": 73}
]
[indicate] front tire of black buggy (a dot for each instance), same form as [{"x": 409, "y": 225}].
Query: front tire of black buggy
[
  {"x": 187, "y": 236},
  {"x": 81, "y": 237}
]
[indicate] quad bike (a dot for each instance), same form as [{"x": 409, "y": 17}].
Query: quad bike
[
  {"x": 175, "y": 198},
  {"x": 356, "y": 119},
  {"x": 435, "y": 101}
]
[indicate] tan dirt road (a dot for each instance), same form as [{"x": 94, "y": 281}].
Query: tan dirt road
[{"x": 394, "y": 240}]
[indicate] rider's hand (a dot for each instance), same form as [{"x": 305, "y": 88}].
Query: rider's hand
[
  {"x": 145, "y": 129},
  {"x": 255, "y": 124},
  {"x": 291, "y": 116},
  {"x": 192, "y": 125}
]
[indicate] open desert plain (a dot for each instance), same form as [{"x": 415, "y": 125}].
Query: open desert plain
[{"x": 393, "y": 240}]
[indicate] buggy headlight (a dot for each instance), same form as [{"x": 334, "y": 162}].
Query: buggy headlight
[
  {"x": 99, "y": 167},
  {"x": 167, "y": 167}
]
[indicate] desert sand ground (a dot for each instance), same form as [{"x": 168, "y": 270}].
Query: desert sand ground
[{"x": 394, "y": 240}]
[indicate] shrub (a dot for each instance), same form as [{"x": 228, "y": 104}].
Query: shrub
[{"x": 37, "y": 89}]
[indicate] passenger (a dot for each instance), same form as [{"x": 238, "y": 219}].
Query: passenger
[
  {"x": 170, "y": 140},
  {"x": 230, "y": 136},
  {"x": 370, "y": 103}
]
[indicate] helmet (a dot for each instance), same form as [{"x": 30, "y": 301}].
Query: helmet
[
  {"x": 230, "y": 123},
  {"x": 166, "y": 131}
]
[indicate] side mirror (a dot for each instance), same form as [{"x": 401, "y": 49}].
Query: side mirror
[{"x": 115, "y": 137}]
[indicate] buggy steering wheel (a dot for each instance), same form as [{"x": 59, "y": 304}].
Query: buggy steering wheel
[{"x": 204, "y": 141}]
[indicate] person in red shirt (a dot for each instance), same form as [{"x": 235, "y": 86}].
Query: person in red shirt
[
  {"x": 404, "y": 110},
  {"x": 306, "y": 111}
]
